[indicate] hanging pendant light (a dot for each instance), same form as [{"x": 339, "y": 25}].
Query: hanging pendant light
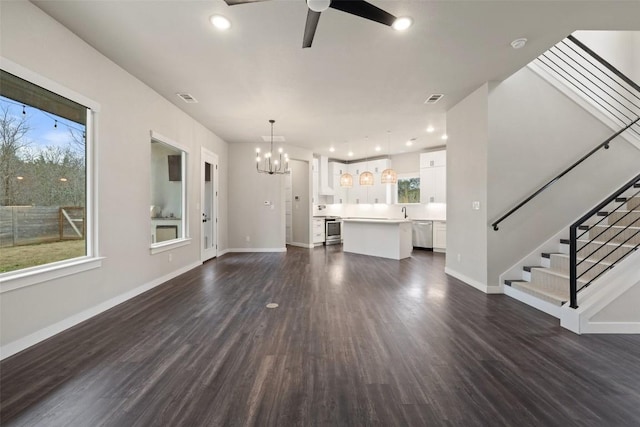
[
  {"x": 366, "y": 177},
  {"x": 273, "y": 167},
  {"x": 346, "y": 180},
  {"x": 389, "y": 176}
]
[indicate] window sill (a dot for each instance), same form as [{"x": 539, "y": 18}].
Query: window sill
[
  {"x": 35, "y": 275},
  {"x": 156, "y": 248}
]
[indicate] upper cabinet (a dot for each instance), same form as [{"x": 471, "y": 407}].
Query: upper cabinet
[{"x": 433, "y": 177}]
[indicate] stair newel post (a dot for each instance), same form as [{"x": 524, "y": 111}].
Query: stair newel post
[{"x": 573, "y": 267}]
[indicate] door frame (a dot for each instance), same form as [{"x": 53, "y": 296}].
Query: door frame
[{"x": 212, "y": 158}]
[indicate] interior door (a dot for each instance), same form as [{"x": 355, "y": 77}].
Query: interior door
[{"x": 209, "y": 205}]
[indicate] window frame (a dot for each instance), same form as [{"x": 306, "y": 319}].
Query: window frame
[
  {"x": 405, "y": 176},
  {"x": 17, "y": 279},
  {"x": 185, "y": 239}
]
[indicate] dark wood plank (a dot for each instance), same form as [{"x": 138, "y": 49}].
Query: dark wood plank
[{"x": 356, "y": 341}]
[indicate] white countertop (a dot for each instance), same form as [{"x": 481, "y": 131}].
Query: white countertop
[{"x": 378, "y": 220}]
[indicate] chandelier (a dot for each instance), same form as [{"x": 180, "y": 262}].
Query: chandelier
[{"x": 274, "y": 166}]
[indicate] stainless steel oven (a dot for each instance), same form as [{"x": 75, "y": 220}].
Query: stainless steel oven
[{"x": 333, "y": 230}]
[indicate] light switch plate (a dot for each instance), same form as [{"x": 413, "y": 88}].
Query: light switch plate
[{"x": 475, "y": 206}]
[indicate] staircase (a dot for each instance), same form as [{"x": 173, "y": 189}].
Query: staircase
[{"x": 603, "y": 240}]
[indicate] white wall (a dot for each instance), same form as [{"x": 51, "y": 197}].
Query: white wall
[
  {"x": 620, "y": 48},
  {"x": 467, "y": 182},
  {"x": 129, "y": 111},
  {"x": 535, "y": 132},
  {"x": 264, "y": 225}
]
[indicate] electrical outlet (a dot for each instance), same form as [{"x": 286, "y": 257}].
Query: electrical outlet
[
  {"x": 170, "y": 257},
  {"x": 475, "y": 206},
  {"x": 248, "y": 238},
  {"x": 458, "y": 257}
]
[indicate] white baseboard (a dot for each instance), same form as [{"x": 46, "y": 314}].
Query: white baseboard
[
  {"x": 23, "y": 343},
  {"x": 222, "y": 252},
  {"x": 537, "y": 303},
  {"x": 257, "y": 250},
  {"x": 302, "y": 245},
  {"x": 611, "y": 328},
  {"x": 439, "y": 250},
  {"x": 472, "y": 282}
]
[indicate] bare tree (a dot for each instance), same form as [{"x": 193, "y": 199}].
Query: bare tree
[{"x": 13, "y": 131}]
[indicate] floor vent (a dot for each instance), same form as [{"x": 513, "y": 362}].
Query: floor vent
[
  {"x": 434, "y": 98},
  {"x": 187, "y": 98}
]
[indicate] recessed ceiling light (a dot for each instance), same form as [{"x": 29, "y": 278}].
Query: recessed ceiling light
[
  {"x": 409, "y": 143},
  {"x": 445, "y": 136},
  {"x": 430, "y": 129},
  {"x": 350, "y": 154},
  {"x": 332, "y": 149},
  {"x": 220, "y": 22},
  {"x": 519, "y": 43},
  {"x": 378, "y": 148},
  {"x": 402, "y": 23}
]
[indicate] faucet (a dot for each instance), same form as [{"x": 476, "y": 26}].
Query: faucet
[{"x": 404, "y": 209}]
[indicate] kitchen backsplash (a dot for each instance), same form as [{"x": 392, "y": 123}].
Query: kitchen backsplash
[{"x": 433, "y": 211}]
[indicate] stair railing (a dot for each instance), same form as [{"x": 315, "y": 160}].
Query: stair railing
[
  {"x": 599, "y": 82},
  {"x": 600, "y": 146},
  {"x": 607, "y": 252}
]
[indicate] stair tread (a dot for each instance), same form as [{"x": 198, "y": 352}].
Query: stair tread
[
  {"x": 600, "y": 242},
  {"x": 529, "y": 267}
]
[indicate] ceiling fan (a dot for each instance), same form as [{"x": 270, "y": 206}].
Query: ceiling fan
[{"x": 359, "y": 8}]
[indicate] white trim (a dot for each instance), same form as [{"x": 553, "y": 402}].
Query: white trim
[
  {"x": 34, "y": 275},
  {"x": 223, "y": 252},
  {"x": 473, "y": 283},
  {"x": 537, "y": 303},
  {"x": 440, "y": 250},
  {"x": 304, "y": 245},
  {"x": 161, "y": 138},
  {"x": 205, "y": 153},
  {"x": 612, "y": 328},
  {"x": 157, "y": 248},
  {"x": 49, "y": 331},
  {"x": 257, "y": 250},
  {"x": 35, "y": 78}
]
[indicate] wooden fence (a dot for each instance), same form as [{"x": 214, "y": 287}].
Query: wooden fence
[{"x": 25, "y": 225}]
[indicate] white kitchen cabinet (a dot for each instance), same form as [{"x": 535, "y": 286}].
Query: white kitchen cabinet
[
  {"x": 439, "y": 236},
  {"x": 433, "y": 159},
  {"x": 433, "y": 177},
  {"x": 376, "y": 193},
  {"x": 336, "y": 169},
  {"x": 318, "y": 230}
]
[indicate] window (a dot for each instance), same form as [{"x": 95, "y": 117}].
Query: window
[
  {"x": 44, "y": 171},
  {"x": 408, "y": 189},
  {"x": 168, "y": 191}
]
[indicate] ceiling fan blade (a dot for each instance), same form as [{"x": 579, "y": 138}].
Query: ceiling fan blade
[
  {"x": 310, "y": 28},
  {"x": 364, "y": 10},
  {"x": 235, "y": 2}
]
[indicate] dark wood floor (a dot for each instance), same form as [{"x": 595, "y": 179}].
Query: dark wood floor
[{"x": 356, "y": 341}]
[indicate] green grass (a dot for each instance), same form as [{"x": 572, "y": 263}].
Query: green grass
[{"x": 18, "y": 257}]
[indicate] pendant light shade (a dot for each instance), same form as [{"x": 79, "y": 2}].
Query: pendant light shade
[
  {"x": 366, "y": 178},
  {"x": 389, "y": 176},
  {"x": 346, "y": 180}
]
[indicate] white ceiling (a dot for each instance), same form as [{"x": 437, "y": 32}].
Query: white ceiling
[{"x": 359, "y": 80}]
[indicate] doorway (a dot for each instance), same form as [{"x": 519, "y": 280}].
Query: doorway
[{"x": 209, "y": 204}]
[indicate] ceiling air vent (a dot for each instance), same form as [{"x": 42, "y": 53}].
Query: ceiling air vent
[
  {"x": 434, "y": 98},
  {"x": 187, "y": 98}
]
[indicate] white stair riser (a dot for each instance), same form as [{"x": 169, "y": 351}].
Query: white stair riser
[
  {"x": 532, "y": 291},
  {"x": 617, "y": 235},
  {"x": 624, "y": 218},
  {"x": 607, "y": 253},
  {"x": 561, "y": 264},
  {"x": 545, "y": 280}
]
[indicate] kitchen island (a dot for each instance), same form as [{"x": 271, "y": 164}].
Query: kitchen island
[{"x": 386, "y": 238}]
